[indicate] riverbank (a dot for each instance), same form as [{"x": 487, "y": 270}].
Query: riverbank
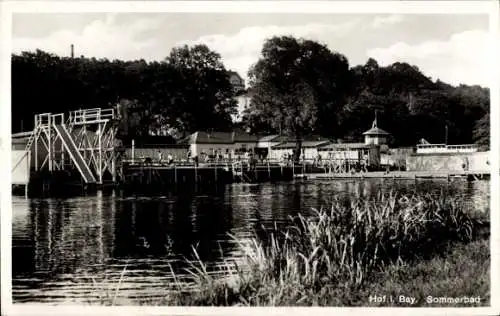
[
  {"x": 392, "y": 245},
  {"x": 404, "y": 175}
]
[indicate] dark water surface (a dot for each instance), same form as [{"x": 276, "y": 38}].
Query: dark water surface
[{"x": 74, "y": 250}]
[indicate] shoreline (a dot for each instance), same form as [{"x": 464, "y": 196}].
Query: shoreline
[{"x": 402, "y": 175}]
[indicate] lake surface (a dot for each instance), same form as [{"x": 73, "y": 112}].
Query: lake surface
[{"x": 74, "y": 250}]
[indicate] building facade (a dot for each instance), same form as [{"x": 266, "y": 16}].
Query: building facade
[
  {"x": 377, "y": 136},
  {"x": 286, "y": 149},
  {"x": 236, "y": 81},
  {"x": 352, "y": 153},
  {"x": 221, "y": 144}
]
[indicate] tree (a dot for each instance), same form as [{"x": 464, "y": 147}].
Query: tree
[
  {"x": 203, "y": 97},
  {"x": 294, "y": 83},
  {"x": 482, "y": 132}
]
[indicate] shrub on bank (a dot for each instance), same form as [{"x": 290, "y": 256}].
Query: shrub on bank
[{"x": 328, "y": 257}]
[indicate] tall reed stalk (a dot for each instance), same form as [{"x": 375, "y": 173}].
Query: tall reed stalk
[{"x": 333, "y": 251}]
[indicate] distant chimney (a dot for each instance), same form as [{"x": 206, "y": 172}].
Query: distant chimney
[{"x": 72, "y": 51}]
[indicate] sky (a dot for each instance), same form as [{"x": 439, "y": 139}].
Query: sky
[{"x": 450, "y": 47}]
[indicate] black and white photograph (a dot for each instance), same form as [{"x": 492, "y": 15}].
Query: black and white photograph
[{"x": 299, "y": 154}]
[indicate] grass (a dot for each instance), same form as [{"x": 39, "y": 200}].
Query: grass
[
  {"x": 105, "y": 294},
  {"x": 413, "y": 245},
  {"x": 339, "y": 257},
  {"x": 462, "y": 270}
]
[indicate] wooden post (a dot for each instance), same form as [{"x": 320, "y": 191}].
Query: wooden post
[
  {"x": 215, "y": 171},
  {"x": 195, "y": 174},
  {"x": 175, "y": 174},
  {"x": 269, "y": 170},
  {"x": 113, "y": 168},
  {"x": 50, "y": 153},
  {"x": 35, "y": 142},
  {"x": 99, "y": 168},
  {"x": 133, "y": 150}
]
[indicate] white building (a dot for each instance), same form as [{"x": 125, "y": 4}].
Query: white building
[
  {"x": 265, "y": 144},
  {"x": 309, "y": 149},
  {"x": 221, "y": 143},
  {"x": 377, "y": 136},
  {"x": 351, "y": 152}
]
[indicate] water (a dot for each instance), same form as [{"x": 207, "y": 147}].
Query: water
[{"x": 74, "y": 250}]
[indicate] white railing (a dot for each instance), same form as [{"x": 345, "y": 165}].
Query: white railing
[
  {"x": 57, "y": 119},
  {"x": 443, "y": 148},
  {"x": 22, "y": 134},
  {"x": 43, "y": 119},
  {"x": 91, "y": 116}
]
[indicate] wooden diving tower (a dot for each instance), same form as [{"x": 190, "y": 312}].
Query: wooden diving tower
[{"x": 85, "y": 140}]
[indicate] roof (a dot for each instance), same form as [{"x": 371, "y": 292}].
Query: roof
[
  {"x": 268, "y": 138},
  {"x": 202, "y": 137},
  {"x": 375, "y": 131},
  {"x": 234, "y": 73},
  {"x": 337, "y": 146},
  {"x": 305, "y": 144},
  {"x": 245, "y": 138},
  {"x": 273, "y": 138}
]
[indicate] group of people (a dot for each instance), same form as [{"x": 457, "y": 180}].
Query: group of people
[
  {"x": 245, "y": 157},
  {"x": 170, "y": 158}
]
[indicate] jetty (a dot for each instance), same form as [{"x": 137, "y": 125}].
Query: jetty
[{"x": 186, "y": 174}]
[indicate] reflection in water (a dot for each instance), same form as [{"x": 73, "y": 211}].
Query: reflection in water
[{"x": 62, "y": 248}]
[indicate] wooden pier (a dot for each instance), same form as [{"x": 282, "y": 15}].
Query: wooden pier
[{"x": 137, "y": 175}]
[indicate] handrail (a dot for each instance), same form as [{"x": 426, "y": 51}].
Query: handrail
[
  {"x": 91, "y": 115},
  {"x": 446, "y": 146}
]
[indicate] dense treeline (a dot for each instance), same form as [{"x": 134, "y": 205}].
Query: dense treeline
[
  {"x": 187, "y": 91},
  {"x": 297, "y": 87},
  {"x": 331, "y": 99}
]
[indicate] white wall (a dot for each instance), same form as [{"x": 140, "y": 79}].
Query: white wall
[
  {"x": 20, "y": 167},
  {"x": 340, "y": 154},
  {"x": 310, "y": 153},
  {"x": 376, "y": 140},
  {"x": 247, "y": 145},
  {"x": 197, "y": 149},
  {"x": 139, "y": 153},
  {"x": 278, "y": 153},
  {"x": 477, "y": 162}
]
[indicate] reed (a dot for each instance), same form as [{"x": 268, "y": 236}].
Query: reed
[{"x": 330, "y": 255}]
